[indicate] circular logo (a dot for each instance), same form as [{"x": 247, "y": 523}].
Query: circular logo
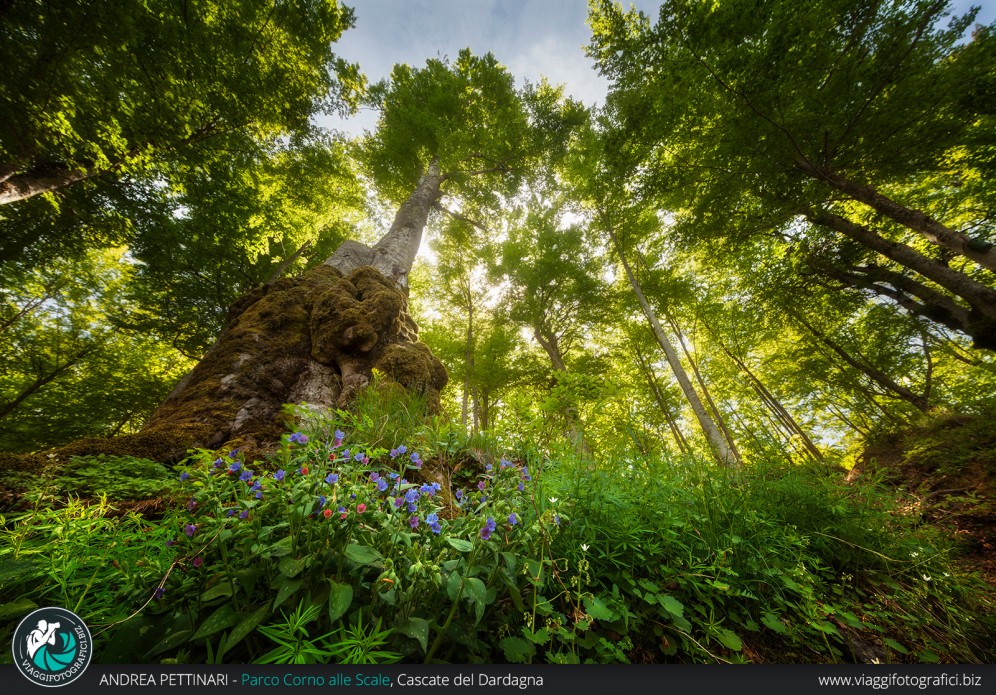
[{"x": 52, "y": 647}]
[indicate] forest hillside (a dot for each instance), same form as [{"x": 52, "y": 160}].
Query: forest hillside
[{"x": 704, "y": 372}]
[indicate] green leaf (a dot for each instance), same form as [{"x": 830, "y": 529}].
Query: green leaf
[
  {"x": 17, "y": 608},
  {"x": 928, "y": 656},
  {"x": 287, "y": 589},
  {"x": 13, "y": 570},
  {"x": 418, "y": 629},
  {"x": 460, "y": 544},
  {"x": 596, "y": 608},
  {"x": 516, "y": 649},
  {"x": 247, "y": 625},
  {"x": 224, "y": 617},
  {"x": 672, "y": 605},
  {"x": 364, "y": 555},
  {"x": 285, "y": 546},
  {"x": 171, "y": 641},
  {"x": 895, "y": 645},
  {"x": 774, "y": 622},
  {"x": 340, "y": 598},
  {"x": 729, "y": 639},
  {"x": 220, "y": 589},
  {"x": 454, "y": 585},
  {"x": 290, "y": 567}
]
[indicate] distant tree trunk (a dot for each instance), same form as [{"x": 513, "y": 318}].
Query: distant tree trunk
[
  {"x": 714, "y": 437},
  {"x": 655, "y": 389},
  {"x": 876, "y": 375},
  {"x": 44, "y": 377},
  {"x": 770, "y": 400},
  {"x": 549, "y": 341},
  {"x": 717, "y": 415},
  {"x": 313, "y": 339}
]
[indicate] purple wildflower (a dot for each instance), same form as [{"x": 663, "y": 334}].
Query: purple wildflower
[
  {"x": 170, "y": 542},
  {"x": 184, "y": 476},
  {"x": 191, "y": 504},
  {"x": 522, "y": 486},
  {"x": 413, "y": 522},
  {"x": 279, "y": 475},
  {"x": 481, "y": 485},
  {"x": 398, "y": 501},
  {"x": 198, "y": 561},
  {"x": 322, "y": 500},
  {"x": 432, "y": 519},
  {"x": 255, "y": 486},
  {"x": 488, "y": 528},
  {"x": 230, "y": 512},
  {"x": 259, "y": 494},
  {"x": 299, "y": 438},
  {"x": 246, "y": 476},
  {"x": 244, "y": 514},
  {"x": 513, "y": 519},
  {"x": 190, "y": 529},
  {"x": 459, "y": 494},
  {"x": 382, "y": 485},
  {"x": 234, "y": 468},
  {"x": 159, "y": 593},
  {"x": 332, "y": 478}
]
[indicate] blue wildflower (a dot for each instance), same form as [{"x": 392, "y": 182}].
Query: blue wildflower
[
  {"x": 522, "y": 486},
  {"x": 184, "y": 475},
  {"x": 413, "y": 522},
  {"x": 459, "y": 494},
  {"x": 488, "y": 467},
  {"x": 244, "y": 514},
  {"x": 255, "y": 486},
  {"x": 332, "y": 478},
  {"x": 504, "y": 464},
  {"x": 416, "y": 459},
  {"x": 190, "y": 529},
  {"x": 398, "y": 501},
  {"x": 159, "y": 593},
  {"x": 359, "y": 456},
  {"x": 481, "y": 485},
  {"x": 191, "y": 504},
  {"x": 345, "y": 453},
  {"x": 299, "y": 438},
  {"x": 230, "y": 512},
  {"x": 322, "y": 500},
  {"x": 259, "y": 494},
  {"x": 234, "y": 468},
  {"x": 374, "y": 476},
  {"x": 218, "y": 463},
  {"x": 394, "y": 453},
  {"x": 382, "y": 485},
  {"x": 411, "y": 495},
  {"x": 246, "y": 476},
  {"x": 279, "y": 475},
  {"x": 513, "y": 519},
  {"x": 432, "y": 519},
  {"x": 170, "y": 542},
  {"x": 488, "y": 529},
  {"x": 402, "y": 450}
]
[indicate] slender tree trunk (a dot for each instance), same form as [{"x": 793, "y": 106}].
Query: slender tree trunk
[
  {"x": 769, "y": 399},
  {"x": 551, "y": 344},
  {"x": 717, "y": 415},
  {"x": 982, "y": 253},
  {"x": 876, "y": 375},
  {"x": 714, "y": 437},
  {"x": 655, "y": 389}
]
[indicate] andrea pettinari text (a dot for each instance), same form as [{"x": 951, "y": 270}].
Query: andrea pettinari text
[{"x": 293, "y": 680}]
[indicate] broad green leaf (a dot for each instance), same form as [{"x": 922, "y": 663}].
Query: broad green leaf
[
  {"x": 220, "y": 589},
  {"x": 516, "y": 649},
  {"x": 896, "y": 645},
  {"x": 363, "y": 555},
  {"x": 285, "y": 546},
  {"x": 287, "y": 589},
  {"x": 596, "y": 608},
  {"x": 729, "y": 639},
  {"x": 340, "y": 598},
  {"x": 672, "y": 605},
  {"x": 460, "y": 544},
  {"x": 224, "y": 617},
  {"x": 248, "y": 624},
  {"x": 418, "y": 629},
  {"x": 290, "y": 567}
]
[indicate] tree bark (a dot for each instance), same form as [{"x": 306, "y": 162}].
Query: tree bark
[
  {"x": 36, "y": 181},
  {"x": 313, "y": 339},
  {"x": 980, "y": 297},
  {"x": 981, "y": 252},
  {"x": 655, "y": 389},
  {"x": 717, "y": 444},
  {"x": 876, "y": 375}
]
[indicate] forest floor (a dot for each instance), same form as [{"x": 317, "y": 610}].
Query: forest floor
[{"x": 948, "y": 470}]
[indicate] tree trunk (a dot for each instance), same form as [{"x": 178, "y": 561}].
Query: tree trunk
[
  {"x": 714, "y": 437},
  {"x": 983, "y": 253},
  {"x": 34, "y": 182},
  {"x": 876, "y": 375},
  {"x": 717, "y": 415},
  {"x": 551, "y": 344},
  {"x": 42, "y": 380},
  {"x": 980, "y": 297},
  {"x": 655, "y": 389},
  {"x": 313, "y": 339}
]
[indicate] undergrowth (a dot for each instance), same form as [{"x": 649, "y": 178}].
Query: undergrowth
[{"x": 383, "y": 535}]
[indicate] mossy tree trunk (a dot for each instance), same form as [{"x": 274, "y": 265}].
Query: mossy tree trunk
[{"x": 313, "y": 339}]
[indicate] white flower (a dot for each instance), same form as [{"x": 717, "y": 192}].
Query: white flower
[
  {"x": 553, "y": 500},
  {"x": 584, "y": 547}
]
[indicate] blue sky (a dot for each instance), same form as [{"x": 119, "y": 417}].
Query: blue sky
[{"x": 533, "y": 38}]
